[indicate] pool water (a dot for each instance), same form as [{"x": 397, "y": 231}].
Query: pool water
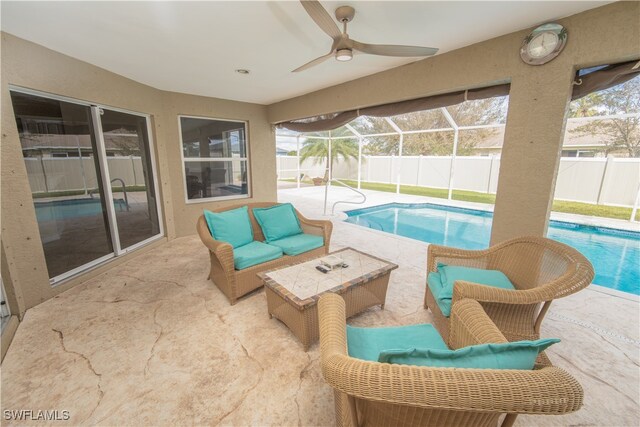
[
  {"x": 615, "y": 254},
  {"x": 70, "y": 208}
]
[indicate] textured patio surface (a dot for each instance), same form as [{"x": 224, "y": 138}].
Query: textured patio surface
[{"x": 152, "y": 342}]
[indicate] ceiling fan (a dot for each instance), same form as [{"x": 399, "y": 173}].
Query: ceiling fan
[{"x": 343, "y": 47}]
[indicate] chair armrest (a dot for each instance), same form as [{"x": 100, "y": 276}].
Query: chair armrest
[
  {"x": 333, "y": 325},
  {"x": 470, "y": 325},
  {"x": 316, "y": 227},
  {"x": 464, "y": 257},
  {"x": 548, "y": 390},
  {"x": 482, "y": 293},
  {"x": 222, "y": 251}
]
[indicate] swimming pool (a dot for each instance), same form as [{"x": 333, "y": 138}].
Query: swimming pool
[
  {"x": 71, "y": 208},
  {"x": 615, "y": 254}
]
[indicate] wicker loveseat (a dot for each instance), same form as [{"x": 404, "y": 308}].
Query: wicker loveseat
[
  {"x": 381, "y": 394},
  {"x": 236, "y": 283},
  {"x": 540, "y": 269}
]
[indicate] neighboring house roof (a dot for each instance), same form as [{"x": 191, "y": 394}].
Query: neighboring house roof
[
  {"x": 571, "y": 139},
  {"x": 113, "y": 141}
]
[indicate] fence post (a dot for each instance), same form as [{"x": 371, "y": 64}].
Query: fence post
[
  {"x": 359, "y": 161},
  {"x": 454, "y": 125},
  {"x": 419, "y": 170},
  {"x": 298, "y": 160},
  {"x": 330, "y": 176},
  {"x": 133, "y": 168},
  {"x": 634, "y": 211},
  {"x": 604, "y": 177},
  {"x": 491, "y": 157},
  {"x": 453, "y": 162},
  {"x": 399, "y": 164},
  {"x": 44, "y": 174},
  {"x": 84, "y": 178}
]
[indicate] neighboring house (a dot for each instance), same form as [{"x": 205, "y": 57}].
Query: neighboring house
[
  {"x": 53, "y": 142},
  {"x": 575, "y": 144},
  {"x": 281, "y": 151}
]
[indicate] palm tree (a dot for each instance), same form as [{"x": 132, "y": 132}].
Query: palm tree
[{"x": 318, "y": 150}]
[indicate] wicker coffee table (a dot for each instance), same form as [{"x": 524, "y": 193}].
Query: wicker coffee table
[{"x": 293, "y": 291}]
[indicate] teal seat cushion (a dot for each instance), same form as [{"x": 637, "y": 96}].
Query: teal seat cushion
[
  {"x": 450, "y": 273},
  {"x": 278, "y": 222},
  {"x": 254, "y": 253},
  {"x": 232, "y": 226},
  {"x": 368, "y": 343},
  {"x": 512, "y": 355},
  {"x": 300, "y": 243}
]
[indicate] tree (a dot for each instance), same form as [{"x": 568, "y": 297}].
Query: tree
[
  {"x": 616, "y": 134},
  {"x": 478, "y": 112},
  {"x": 318, "y": 150}
]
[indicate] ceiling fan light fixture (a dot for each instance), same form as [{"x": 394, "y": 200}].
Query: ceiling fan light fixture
[{"x": 344, "y": 55}]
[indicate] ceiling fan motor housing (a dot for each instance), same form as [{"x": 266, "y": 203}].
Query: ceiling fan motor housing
[{"x": 344, "y": 54}]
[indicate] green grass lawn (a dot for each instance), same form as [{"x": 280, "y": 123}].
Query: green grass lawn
[{"x": 472, "y": 196}]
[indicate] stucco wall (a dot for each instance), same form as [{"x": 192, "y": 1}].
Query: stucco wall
[
  {"x": 33, "y": 66},
  {"x": 262, "y": 150},
  {"x": 537, "y": 103}
]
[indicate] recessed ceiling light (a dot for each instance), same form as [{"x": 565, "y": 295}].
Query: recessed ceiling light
[{"x": 242, "y": 71}]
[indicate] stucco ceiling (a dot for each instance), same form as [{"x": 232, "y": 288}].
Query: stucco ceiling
[{"x": 194, "y": 47}]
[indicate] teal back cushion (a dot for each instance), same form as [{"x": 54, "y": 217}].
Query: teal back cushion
[
  {"x": 512, "y": 355},
  {"x": 450, "y": 273},
  {"x": 232, "y": 226},
  {"x": 278, "y": 222},
  {"x": 368, "y": 343}
]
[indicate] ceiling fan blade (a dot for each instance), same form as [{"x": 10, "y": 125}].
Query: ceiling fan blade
[
  {"x": 321, "y": 18},
  {"x": 393, "y": 50},
  {"x": 314, "y": 62}
]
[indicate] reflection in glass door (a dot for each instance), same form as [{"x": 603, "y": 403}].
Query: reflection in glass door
[
  {"x": 132, "y": 186},
  {"x": 74, "y": 168},
  {"x": 59, "y": 150}
]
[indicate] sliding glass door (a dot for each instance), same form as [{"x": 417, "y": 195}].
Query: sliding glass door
[
  {"x": 135, "y": 209},
  {"x": 92, "y": 180}
]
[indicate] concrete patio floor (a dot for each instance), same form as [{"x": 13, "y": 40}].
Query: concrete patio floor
[{"x": 152, "y": 342}]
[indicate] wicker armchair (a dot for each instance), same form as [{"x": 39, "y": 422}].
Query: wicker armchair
[
  {"x": 236, "y": 283},
  {"x": 540, "y": 269},
  {"x": 371, "y": 393}
]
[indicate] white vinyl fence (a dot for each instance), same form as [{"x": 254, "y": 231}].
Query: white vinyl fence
[
  {"x": 606, "y": 181},
  {"x": 74, "y": 173}
]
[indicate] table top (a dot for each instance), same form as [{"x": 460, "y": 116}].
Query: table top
[{"x": 302, "y": 284}]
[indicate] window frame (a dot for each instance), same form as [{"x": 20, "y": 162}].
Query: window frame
[{"x": 184, "y": 159}]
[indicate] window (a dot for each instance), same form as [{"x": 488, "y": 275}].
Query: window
[{"x": 215, "y": 158}]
